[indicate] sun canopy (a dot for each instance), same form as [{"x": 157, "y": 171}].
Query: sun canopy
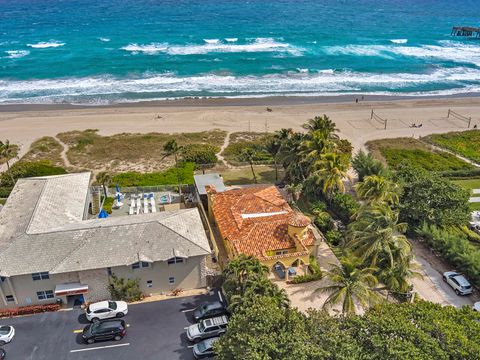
[{"x": 70, "y": 289}]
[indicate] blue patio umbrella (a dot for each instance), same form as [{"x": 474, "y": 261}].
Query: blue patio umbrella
[
  {"x": 103, "y": 214},
  {"x": 118, "y": 198},
  {"x": 117, "y": 188}
]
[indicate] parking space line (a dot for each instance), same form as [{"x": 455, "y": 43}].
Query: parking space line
[
  {"x": 77, "y": 331},
  {"x": 188, "y": 310},
  {"x": 99, "y": 347},
  {"x": 220, "y": 296},
  {"x": 186, "y": 327},
  {"x": 190, "y": 346}
]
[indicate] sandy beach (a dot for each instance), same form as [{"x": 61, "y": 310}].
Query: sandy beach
[{"x": 24, "y": 124}]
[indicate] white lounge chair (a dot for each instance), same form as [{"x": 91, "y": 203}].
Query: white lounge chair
[{"x": 131, "y": 210}]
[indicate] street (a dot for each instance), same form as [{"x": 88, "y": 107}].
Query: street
[{"x": 155, "y": 330}]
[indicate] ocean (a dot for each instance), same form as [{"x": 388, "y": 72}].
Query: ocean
[{"x": 112, "y": 51}]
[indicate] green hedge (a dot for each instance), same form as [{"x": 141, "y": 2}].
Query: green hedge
[
  {"x": 344, "y": 206},
  {"x": 168, "y": 177},
  {"x": 454, "y": 247},
  {"x": 26, "y": 169},
  {"x": 315, "y": 275},
  {"x": 200, "y": 154},
  {"x": 107, "y": 204}
]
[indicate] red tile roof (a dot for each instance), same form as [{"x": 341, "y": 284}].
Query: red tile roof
[{"x": 255, "y": 220}]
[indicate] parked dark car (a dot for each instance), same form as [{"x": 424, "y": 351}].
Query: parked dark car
[
  {"x": 3, "y": 353},
  {"x": 209, "y": 310},
  {"x": 104, "y": 330}
]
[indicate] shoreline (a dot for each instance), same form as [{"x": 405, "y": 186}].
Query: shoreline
[
  {"x": 237, "y": 101},
  {"x": 24, "y": 124}
]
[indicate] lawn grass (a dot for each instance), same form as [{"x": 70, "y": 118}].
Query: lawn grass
[
  {"x": 474, "y": 206},
  {"x": 468, "y": 184},
  {"x": 45, "y": 148},
  {"x": 123, "y": 152},
  {"x": 242, "y": 176},
  {"x": 465, "y": 143},
  {"x": 168, "y": 177},
  {"x": 395, "y": 151},
  {"x": 242, "y": 140}
]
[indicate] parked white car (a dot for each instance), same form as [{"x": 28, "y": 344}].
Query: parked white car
[
  {"x": 106, "y": 310},
  {"x": 458, "y": 283},
  {"x": 476, "y": 306},
  {"x": 6, "y": 334}
]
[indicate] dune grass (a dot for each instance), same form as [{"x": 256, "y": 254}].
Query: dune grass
[
  {"x": 242, "y": 140},
  {"x": 45, "y": 148},
  {"x": 465, "y": 143},
  {"x": 124, "y": 152},
  {"x": 395, "y": 151},
  {"x": 242, "y": 176}
]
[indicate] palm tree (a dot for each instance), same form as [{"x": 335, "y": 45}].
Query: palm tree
[
  {"x": 248, "y": 154},
  {"x": 242, "y": 268},
  {"x": 292, "y": 158},
  {"x": 331, "y": 170},
  {"x": 171, "y": 148},
  {"x": 396, "y": 277},
  {"x": 350, "y": 285},
  {"x": 104, "y": 179},
  {"x": 377, "y": 236},
  {"x": 377, "y": 189},
  {"x": 256, "y": 287},
  {"x": 272, "y": 146},
  {"x": 315, "y": 145},
  {"x": 323, "y": 124},
  {"x": 8, "y": 152},
  {"x": 365, "y": 165}
]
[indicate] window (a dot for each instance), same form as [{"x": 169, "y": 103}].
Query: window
[
  {"x": 40, "y": 276},
  {"x": 171, "y": 280},
  {"x": 141, "y": 264},
  {"x": 9, "y": 298},
  {"x": 281, "y": 252},
  {"x": 175, "y": 260},
  {"x": 149, "y": 283},
  {"x": 45, "y": 294},
  {"x": 3, "y": 278},
  {"x": 109, "y": 271}
]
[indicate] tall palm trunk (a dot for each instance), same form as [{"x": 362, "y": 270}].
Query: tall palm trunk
[
  {"x": 276, "y": 168},
  {"x": 253, "y": 173},
  {"x": 178, "y": 175}
]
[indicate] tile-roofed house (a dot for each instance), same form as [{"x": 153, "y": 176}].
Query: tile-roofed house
[
  {"x": 259, "y": 221},
  {"x": 44, "y": 230}
]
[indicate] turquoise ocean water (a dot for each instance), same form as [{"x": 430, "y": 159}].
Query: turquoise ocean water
[{"x": 107, "y": 51}]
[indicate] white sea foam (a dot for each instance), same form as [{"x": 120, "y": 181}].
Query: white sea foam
[
  {"x": 303, "y": 71},
  {"x": 458, "y": 80},
  {"x": 231, "y": 39},
  {"x": 104, "y": 39},
  {"x": 327, "y": 71},
  {"x": 211, "y": 41},
  {"x": 15, "y": 54},
  {"x": 445, "y": 51},
  {"x": 399, "y": 41},
  {"x": 258, "y": 45},
  {"x": 46, "y": 44}
]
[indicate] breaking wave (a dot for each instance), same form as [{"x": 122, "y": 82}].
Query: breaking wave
[
  {"x": 214, "y": 46},
  {"x": 399, "y": 41},
  {"x": 107, "y": 88},
  {"x": 15, "y": 54},
  {"x": 45, "y": 44}
]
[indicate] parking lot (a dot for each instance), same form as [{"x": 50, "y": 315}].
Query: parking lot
[{"x": 156, "y": 330}]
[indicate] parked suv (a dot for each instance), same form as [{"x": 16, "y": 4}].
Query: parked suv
[
  {"x": 208, "y": 310},
  {"x": 104, "y": 330},
  {"x": 458, "y": 283},
  {"x": 106, "y": 310},
  {"x": 207, "y": 328}
]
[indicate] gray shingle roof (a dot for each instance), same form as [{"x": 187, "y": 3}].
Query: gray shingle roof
[{"x": 30, "y": 241}]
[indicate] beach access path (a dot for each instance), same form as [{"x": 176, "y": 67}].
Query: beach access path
[{"x": 24, "y": 124}]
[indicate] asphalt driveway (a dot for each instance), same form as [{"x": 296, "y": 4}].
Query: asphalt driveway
[{"x": 156, "y": 330}]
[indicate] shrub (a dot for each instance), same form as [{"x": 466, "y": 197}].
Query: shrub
[
  {"x": 124, "y": 289},
  {"x": 107, "y": 204},
  {"x": 25, "y": 169},
  {"x": 27, "y": 310},
  {"x": 344, "y": 206},
  {"x": 318, "y": 207},
  {"x": 366, "y": 165},
  {"x": 314, "y": 266},
  {"x": 323, "y": 221},
  {"x": 168, "y": 177},
  {"x": 334, "y": 237},
  {"x": 305, "y": 278},
  {"x": 200, "y": 154},
  {"x": 465, "y": 143},
  {"x": 454, "y": 247},
  {"x": 5, "y": 191}
]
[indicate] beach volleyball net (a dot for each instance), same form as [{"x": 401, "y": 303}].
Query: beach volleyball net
[
  {"x": 453, "y": 114},
  {"x": 378, "y": 119}
]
